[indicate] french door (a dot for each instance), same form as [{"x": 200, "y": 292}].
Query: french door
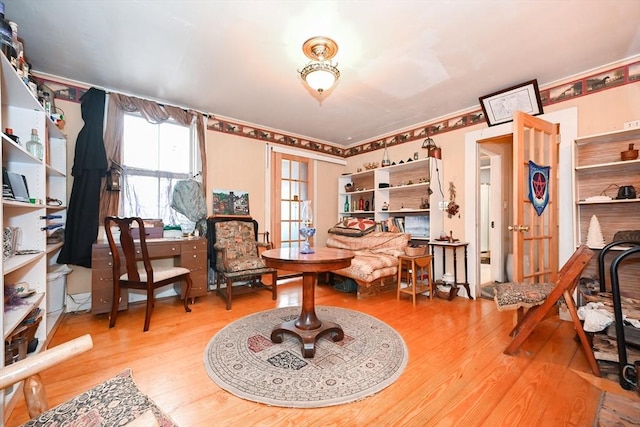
[
  {"x": 292, "y": 181},
  {"x": 535, "y": 234}
]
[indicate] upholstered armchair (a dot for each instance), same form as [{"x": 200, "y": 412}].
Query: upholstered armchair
[{"x": 235, "y": 257}]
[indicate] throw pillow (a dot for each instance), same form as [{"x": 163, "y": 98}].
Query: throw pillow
[{"x": 355, "y": 227}]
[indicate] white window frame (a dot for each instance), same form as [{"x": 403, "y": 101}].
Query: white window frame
[{"x": 194, "y": 167}]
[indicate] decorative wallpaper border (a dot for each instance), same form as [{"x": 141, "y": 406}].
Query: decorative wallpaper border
[{"x": 615, "y": 77}]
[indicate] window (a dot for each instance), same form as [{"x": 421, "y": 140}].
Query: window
[{"x": 155, "y": 157}]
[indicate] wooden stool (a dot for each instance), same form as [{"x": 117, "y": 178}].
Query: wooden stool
[{"x": 415, "y": 282}]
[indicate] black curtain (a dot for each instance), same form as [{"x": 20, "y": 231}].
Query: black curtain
[{"x": 89, "y": 166}]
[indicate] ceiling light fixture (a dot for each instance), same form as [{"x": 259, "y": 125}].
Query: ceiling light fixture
[{"x": 320, "y": 74}]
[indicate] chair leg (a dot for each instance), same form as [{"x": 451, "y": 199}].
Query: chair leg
[
  {"x": 522, "y": 317},
  {"x": 229, "y": 292},
  {"x": 528, "y": 324},
  {"x": 187, "y": 279},
  {"x": 217, "y": 282},
  {"x": 586, "y": 345},
  {"x": 274, "y": 285},
  {"x": 147, "y": 316},
  {"x": 115, "y": 303}
]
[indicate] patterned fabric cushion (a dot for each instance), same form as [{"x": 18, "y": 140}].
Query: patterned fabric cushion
[
  {"x": 510, "y": 296},
  {"x": 238, "y": 238},
  {"x": 354, "y": 227}
]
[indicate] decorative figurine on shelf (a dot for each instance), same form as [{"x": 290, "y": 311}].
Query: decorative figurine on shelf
[
  {"x": 385, "y": 206},
  {"x": 595, "y": 239},
  {"x": 366, "y": 205},
  {"x": 306, "y": 230}
]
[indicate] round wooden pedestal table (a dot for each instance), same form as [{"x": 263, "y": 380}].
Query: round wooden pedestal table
[{"x": 307, "y": 327}]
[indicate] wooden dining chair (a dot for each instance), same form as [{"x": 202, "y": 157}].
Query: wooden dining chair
[
  {"x": 145, "y": 278},
  {"x": 540, "y": 298}
]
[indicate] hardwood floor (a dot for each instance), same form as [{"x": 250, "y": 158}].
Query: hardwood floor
[{"x": 456, "y": 375}]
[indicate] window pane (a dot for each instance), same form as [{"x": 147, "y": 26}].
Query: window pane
[
  {"x": 141, "y": 196},
  {"x": 285, "y": 169},
  {"x": 295, "y": 170},
  {"x": 165, "y": 193},
  {"x": 304, "y": 171},
  {"x": 295, "y": 231},
  {"x": 284, "y": 208},
  {"x": 304, "y": 194},
  {"x": 295, "y": 211},
  {"x": 286, "y": 195},
  {"x": 295, "y": 189},
  {"x": 174, "y": 146},
  {"x": 284, "y": 233},
  {"x": 140, "y": 143}
]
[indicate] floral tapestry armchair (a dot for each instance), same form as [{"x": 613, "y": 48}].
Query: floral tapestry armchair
[{"x": 235, "y": 257}]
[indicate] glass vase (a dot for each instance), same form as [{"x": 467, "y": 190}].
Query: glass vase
[{"x": 306, "y": 229}]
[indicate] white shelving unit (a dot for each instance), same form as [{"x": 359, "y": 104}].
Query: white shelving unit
[
  {"x": 411, "y": 186},
  {"x": 598, "y": 172},
  {"x": 21, "y": 112}
]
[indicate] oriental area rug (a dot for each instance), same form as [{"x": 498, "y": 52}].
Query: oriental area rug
[{"x": 242, "y": 360}]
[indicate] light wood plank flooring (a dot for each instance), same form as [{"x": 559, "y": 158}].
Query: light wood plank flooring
[{"x": 456, "y": 375}]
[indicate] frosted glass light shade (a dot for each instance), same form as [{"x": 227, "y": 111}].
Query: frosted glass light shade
[{"x": 320, "y": 76}]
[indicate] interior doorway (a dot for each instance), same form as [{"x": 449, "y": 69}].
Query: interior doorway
[
  {"x": 493, "y": 185},
  {"x": 568, "y": 120}
]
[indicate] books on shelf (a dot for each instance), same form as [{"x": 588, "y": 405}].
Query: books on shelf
[{"x": 416, "y": 225}]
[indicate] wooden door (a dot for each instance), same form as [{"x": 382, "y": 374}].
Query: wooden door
[
  {"x": 535, "y": 245},
  {"x": 292, "y": 181}
]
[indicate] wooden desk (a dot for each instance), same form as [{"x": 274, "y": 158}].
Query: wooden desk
[
  {"x": 307, "y": 327},
  {"x": 190, "y": 253}
]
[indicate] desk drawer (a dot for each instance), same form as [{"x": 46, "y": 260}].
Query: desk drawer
[
  {"x": 162, "y": 250},
  {"x": 194, "y": 257},
  {"x": 193, "y": 260},
  {"x": 198, "y": 288},
  {"x": 194, "y": 246},
  {"x": 102, "y": 291}
]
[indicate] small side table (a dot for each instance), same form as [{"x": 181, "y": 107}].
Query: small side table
[
  {"x": 415, "y": 282},
  {"x": 453, "y": 246}
]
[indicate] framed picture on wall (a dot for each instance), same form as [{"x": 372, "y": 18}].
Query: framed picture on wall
[
  {"x": 230, "y": 202},
  {"x": 498, "y": 107}
]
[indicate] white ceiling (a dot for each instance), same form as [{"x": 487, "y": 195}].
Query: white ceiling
[{"x": 402, "y": 63}]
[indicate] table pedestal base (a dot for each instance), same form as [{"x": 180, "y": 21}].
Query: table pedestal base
[{"x": 307, "y": 336}]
